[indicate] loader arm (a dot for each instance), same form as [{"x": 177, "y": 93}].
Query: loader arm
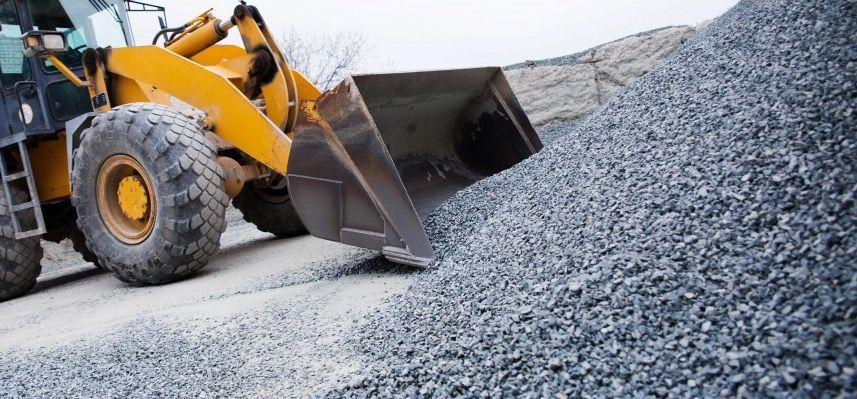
[
  {"x": 235, "y": 118},
  {"x": 228, "y": 90}
]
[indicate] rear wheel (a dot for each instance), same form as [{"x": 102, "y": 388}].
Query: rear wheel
[
  {"x": 19, "y": 259},
  {"x": 269, "y": 207},
  {"x": 148, "y": 193}
]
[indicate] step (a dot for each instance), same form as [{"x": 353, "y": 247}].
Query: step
[
  {"x": 21, "y": 207},
  {"x": 29, "y": 233},
  {"x": 16, "y": 176}
]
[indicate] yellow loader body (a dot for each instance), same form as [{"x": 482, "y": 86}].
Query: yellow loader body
[{"x": 365, "y": 163}]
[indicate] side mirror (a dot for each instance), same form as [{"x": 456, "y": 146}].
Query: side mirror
[
  {"x": 43, "y": 43},
  {"x": 162, "y": 22}
]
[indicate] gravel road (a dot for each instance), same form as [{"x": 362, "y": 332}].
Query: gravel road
[
  {"x": 266, "y": 318},
  {"x": 696, "y": 237}
]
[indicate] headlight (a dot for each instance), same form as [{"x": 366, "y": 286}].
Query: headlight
[
  {"x": 31, "y": 41},
  {"x": 53, "y": 42},
  {"x": 43, "y": 43}
]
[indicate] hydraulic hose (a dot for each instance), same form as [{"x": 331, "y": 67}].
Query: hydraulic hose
[{"x": 165, "y": 31}]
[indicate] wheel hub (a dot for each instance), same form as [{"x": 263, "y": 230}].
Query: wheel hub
[
  {"x": 126, "y": 199},
  {"x": 133, "y": 199}
]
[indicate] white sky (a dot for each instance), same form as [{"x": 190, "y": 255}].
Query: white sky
[{"x": 420, "y": 34}]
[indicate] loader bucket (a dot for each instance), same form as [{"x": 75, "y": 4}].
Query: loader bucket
[{"x": 372, "y": 158}]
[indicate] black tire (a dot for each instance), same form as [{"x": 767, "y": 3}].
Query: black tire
[
  {"x": 270, "y": 209},
  {"x": 19, "y": 259},
  {"x": 78, "y": 242},
  {"x": 188, "y": 192}
]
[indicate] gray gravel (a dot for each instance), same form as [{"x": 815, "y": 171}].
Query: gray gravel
[
  {"x": 271, "y": 338},
  {"x": 696, "y": 237},
  {"x": 553, "y": 131}
]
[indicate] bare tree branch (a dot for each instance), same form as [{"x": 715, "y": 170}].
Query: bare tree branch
[{"x": 325, "y": 59}]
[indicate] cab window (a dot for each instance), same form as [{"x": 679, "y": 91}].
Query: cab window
[
  {"x": 49, "y": 15},
  {"x": 85, "y": 24},
  {"x": 14, "y": 66}
]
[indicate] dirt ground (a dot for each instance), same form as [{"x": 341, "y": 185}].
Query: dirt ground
[{"x": 74, "y": 302}]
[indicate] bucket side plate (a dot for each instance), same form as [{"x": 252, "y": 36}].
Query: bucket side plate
[
  {"x": 344, "y": 184},
  {"x": 372, "y": 158}
]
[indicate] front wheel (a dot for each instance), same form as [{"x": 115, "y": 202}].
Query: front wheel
[{"x": 148, "y": 193}]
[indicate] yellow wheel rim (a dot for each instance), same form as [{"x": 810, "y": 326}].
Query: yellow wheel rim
[
  {"x": 133, "y": 199},
  {"x": 126, "y": 199}
]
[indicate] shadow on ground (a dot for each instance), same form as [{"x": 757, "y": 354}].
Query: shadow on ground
[{"x": 57, "y": 279}]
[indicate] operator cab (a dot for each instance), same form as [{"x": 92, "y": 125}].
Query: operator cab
[{"x": 37, "y": 98}]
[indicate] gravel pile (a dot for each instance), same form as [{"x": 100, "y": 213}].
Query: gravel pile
[
  {"x": 553, "y": 131},
  {"x": 696, "y": 237}
]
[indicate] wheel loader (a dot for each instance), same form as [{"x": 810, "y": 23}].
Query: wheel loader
[{"x": 133, "y": 152}]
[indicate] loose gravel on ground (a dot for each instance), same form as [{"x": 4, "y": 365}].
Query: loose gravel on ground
[
  {"x": 274, "y": 328},
  {"x": 695, "y": 237}
]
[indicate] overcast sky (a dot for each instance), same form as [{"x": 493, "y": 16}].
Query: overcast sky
[{"x": 421, "y": 34}]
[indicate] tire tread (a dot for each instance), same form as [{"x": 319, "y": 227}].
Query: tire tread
[
  {"x": 191, "y": 185},
  {"x": 20, "y": 260}
]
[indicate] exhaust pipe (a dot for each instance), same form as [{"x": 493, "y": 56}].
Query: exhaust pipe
[{"x": 377, "y": 154}]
